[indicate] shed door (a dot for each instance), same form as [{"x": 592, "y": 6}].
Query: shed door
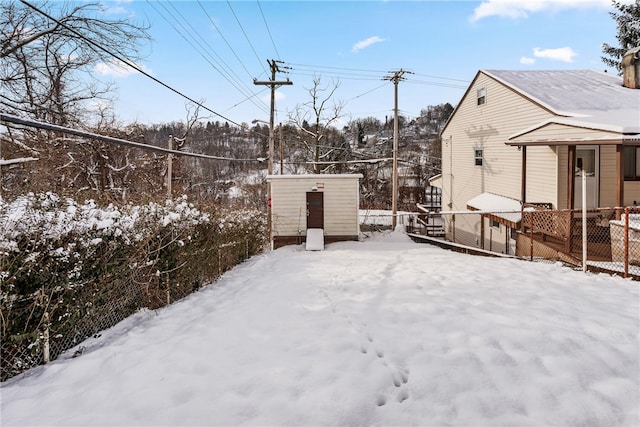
[{"x": 315, "y": 210}]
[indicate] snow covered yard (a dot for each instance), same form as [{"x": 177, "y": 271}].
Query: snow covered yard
[{"x": 379, "y": 332}]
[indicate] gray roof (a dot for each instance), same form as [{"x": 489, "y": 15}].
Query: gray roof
[{"x": 588, "y": 97}]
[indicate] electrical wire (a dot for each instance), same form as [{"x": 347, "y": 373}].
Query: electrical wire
[
  {"x": 212, "y": 21},
  {"x": 268, "y": 30},
  {"x": 222, "y": 67},
  {"x": 56, "y": 128},
  {"x": 126, "y": 62},
  {"x": 246, "y": 37}
]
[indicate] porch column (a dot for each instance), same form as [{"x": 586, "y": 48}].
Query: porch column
[
  {"x": 523, "y": 184},
  {"x": 571, "y": 173},
  {"x": 619, "y": 175}
]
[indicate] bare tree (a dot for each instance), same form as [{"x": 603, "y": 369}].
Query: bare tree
[
  {"x": 315, "y": 121},
  {"x": 49, "y": 56},
  {"x": 48, "y": 61}
]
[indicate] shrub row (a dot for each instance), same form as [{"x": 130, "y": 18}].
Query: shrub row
[{"x": 69, "y": 270}]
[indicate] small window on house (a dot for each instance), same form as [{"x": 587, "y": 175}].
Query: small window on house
[
  {"x": 482, "y": 96},
  {"x": 478, "y": 157},
  {"x": 631, "y": 160},
  {"x": 495, "y": 224}
]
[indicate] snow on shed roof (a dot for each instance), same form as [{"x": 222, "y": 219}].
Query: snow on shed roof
[{"x": 594, "y": 97}]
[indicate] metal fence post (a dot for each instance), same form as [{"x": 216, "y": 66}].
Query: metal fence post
[
  {"x": 626, "y": 242},
  {"x": 168, "y": 292},
  {"x": 45, "y": 337}
]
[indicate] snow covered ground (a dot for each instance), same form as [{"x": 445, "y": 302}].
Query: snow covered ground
[{"x": 379, "y": 332}]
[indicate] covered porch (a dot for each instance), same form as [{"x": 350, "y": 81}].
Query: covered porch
[{"x": 617, "y": 186}]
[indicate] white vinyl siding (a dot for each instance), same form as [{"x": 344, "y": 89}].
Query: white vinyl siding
[
  {"x": 608, "y": 175},
  {"x": 488, "y": 127},
  {"x": 542, "y": 175},
  {"x": 563, "y": 189},
  {"x": 340, "y": 203}
]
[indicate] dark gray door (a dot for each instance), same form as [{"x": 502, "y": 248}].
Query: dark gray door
[{"x": 315, "y": 210}]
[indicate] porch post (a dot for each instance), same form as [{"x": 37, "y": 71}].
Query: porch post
[
  {"x": 619, "y": 175},
  {"x": 523, "y": 184},
  {"x": 571, "y": 181}
]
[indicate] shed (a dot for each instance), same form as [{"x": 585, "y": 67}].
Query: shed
[{"x": 314, "y": 201}]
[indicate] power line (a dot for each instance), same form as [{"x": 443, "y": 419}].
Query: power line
[
  {"x": 126, "y": 62},
  {"x": 224, "y": 69},
  {"x": 212, "y": 21},
  {"x": 56, "y": 128},
  {"x": 246, "y": 36},
  {"x": 337, "y": 76},
  {"x": 377, "y": 72},
  {"x": 443, "y": 78},
  {"x": 338, "y": 68},
  {"x": 422, "y": 82},
  {"x": 268, "y": 30}
]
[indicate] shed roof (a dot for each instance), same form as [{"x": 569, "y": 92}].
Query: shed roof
[{"x": 315, "y": 176}]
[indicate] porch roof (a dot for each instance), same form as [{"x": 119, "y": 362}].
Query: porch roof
[
  {"x": 503, "y": 209},
  {"x": 598, "y": 132}
]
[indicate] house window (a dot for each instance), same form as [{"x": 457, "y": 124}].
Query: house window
[
  {"x": 495, "y": 224},
  {"x": 514, "y": 233},
  {"x": 632, "y": 163},
  {"x": 478, "y": 157},
  {"x": 482, "y": 96}
]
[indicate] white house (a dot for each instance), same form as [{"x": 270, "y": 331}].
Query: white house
[{"x": 520, "y": 136}]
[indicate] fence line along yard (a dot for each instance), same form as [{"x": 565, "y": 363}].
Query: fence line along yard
[
  {"x": 65, "y": 280},
  {"x": 610, "y": 244}
]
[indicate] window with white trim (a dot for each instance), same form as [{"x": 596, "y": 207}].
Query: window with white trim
[
  {"x": 478, "y": 157},
  {"x": 631, "y": 160},
  {"x": 481, "y": 96}
]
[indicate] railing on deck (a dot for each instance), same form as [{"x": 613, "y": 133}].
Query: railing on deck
[{"x": 612, "y": 236}]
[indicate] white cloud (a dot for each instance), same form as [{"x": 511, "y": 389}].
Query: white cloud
[
  {"x": 564, "y": 54},
  {"x": 366, "y": 43},
  {"x": 278, "y": 95},
  {"x": 515, "y": 9},
  {"x": 116, "y": 10},
  {"x": 116, "y": 68},
  {"x": 527, "y": 61}
]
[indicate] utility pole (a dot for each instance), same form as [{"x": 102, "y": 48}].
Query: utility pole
[
  {"x": 275, "y": 68},
  {"x": 281, "y": 150},
  {"x": 170, "y": 167},
  {"x": 395, "y": 78}
]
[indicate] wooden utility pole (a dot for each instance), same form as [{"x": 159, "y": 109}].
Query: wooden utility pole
[
  {"x": 170, "y": 168},
  {"x": 395, "y": 78},
  {"x": 281, "y": 150},
  {"x": 275, "y": 68}
]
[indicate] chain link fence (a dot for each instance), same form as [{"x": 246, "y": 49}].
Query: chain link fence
[{"x": 62, "y": 288}]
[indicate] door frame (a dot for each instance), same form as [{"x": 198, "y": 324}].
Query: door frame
[
  {"x": 315, "y": 211},
  {"x": 593, "y": 181}
]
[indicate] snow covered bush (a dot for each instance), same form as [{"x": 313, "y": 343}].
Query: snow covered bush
[{"x": 72, "y": 269}]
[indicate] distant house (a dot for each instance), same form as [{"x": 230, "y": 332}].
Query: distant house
[
  {"x": 315, "y": 201},
  {"x": 521, "y": 137}
]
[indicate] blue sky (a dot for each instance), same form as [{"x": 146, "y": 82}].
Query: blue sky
[{"x": 442, "y": 44}]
